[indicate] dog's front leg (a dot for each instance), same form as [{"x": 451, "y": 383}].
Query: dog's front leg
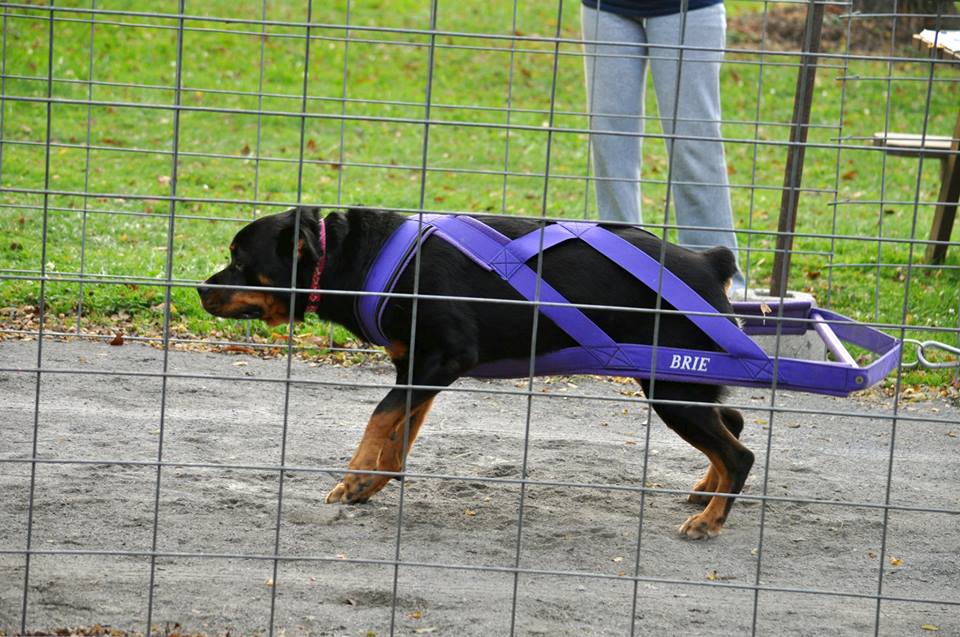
[{"x": 382, "y": 447}]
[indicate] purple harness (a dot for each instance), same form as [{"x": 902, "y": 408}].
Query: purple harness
[{"x": 742, "y": 361}]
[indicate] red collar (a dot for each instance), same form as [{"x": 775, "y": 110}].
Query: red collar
[{"x": 314, "y": 300}]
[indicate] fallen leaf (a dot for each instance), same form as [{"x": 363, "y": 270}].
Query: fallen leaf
[
  {"x": 469, "y": 512},
  {"x": 269, "y": 582},
  {"x": 243, "y": 349},
  {"x": 421, "y": 631},
  {"x": 118, "y": 338},
  {"x": 712, "y": 576},
  {"x": 929, "y": 627},
  {"x": 240, "y": 364},
  {"x": 416, "y": 615},
  {"x": 895, "y": 562},
  {"x": 163, "y": 179}
]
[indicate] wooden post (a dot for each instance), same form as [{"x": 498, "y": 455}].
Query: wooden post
[
  {"x": 947, "y": 207},
  {"x": 793, "y": 172}
]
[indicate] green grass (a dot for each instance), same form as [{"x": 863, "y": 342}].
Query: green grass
[{"x": 387, "y": 79}]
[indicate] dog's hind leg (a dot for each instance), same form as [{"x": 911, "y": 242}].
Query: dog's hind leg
[
  {"x": 713, "y": 430},
  {"x": 734, "y": 422}
]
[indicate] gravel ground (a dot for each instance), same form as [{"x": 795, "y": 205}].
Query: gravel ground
[{"x": 582, "y": 430}]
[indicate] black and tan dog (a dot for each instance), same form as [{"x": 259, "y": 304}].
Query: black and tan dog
[{"x": 452, "y": 337}]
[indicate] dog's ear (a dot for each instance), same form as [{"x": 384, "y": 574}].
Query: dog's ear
[{"x": 308, "y": 248}]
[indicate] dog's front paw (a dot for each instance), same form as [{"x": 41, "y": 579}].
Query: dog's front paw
[
  {"x": 336, "y": 494},
  {"x": 344, "y": 494},
  {"x": 700, "y": 527}
]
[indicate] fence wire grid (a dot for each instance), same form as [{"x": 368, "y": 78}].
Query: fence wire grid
[{"x": 167, "y": 489}]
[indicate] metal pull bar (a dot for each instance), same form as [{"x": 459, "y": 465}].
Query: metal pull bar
[{"x": 834, "y": 344}]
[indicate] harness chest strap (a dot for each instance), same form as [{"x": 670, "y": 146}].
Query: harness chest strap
[{"x": 382, "y": 277}]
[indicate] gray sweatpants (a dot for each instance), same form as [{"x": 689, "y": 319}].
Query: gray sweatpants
[{"x": 616, "y": 81}]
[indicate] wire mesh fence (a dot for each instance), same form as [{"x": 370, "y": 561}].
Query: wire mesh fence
[{"x": 151, "y": 486}]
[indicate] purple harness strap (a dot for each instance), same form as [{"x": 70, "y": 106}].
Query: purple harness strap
[
  {"x": 742, "y": 362},
  {"x": 394, "y": 256},
  {"x": 645, "y": 269}
]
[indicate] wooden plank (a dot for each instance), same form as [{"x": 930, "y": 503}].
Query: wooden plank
[
  {"x": 913, "y": 145},
  {"x": 947, "y": 42}
]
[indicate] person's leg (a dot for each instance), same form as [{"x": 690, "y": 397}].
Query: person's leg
[
  {"x": 615, "y": 90},
  {"x": 701, "y": 194}
]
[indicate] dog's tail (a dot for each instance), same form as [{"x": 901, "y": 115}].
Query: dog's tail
[{"x": 723, "y": 262}]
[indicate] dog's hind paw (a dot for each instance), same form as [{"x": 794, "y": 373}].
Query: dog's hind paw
[{"x": 699, "y": 527}]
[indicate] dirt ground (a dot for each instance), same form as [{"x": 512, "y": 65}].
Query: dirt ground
[{"x": 582, "y": 430}]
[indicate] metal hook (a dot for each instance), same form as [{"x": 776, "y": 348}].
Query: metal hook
[
  {"x": 912, "y": 364},
  {"x": 921, "y": 358}
]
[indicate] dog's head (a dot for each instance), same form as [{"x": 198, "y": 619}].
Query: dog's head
[{"x": 262, "y": 256}]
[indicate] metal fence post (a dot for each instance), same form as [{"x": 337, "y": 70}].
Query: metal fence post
[{"x": 793, "y": 172}]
